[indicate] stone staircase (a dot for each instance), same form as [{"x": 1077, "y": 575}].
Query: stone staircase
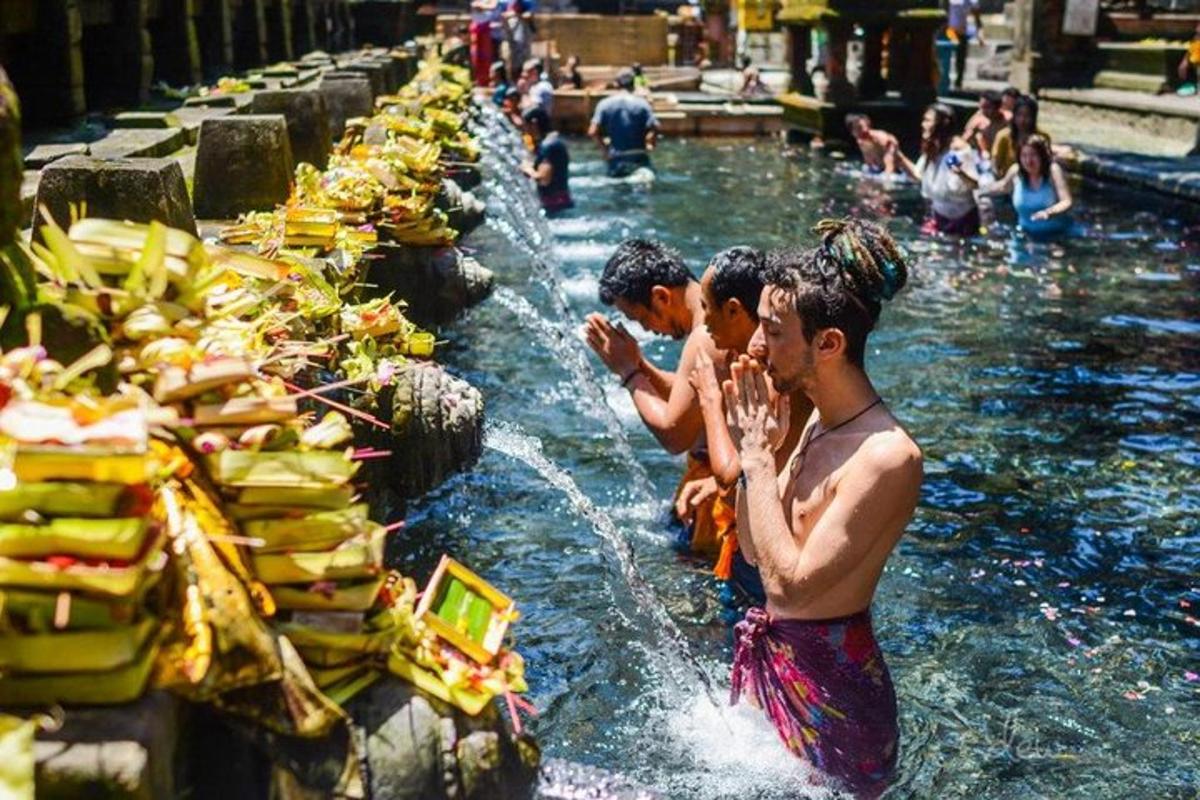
[{"x": 991, "y": 61}]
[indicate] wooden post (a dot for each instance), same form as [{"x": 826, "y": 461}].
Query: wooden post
[
  {"x": 278, "y": 17},
  {"x": 117, "y": 58},
  {"x": 249, "y": 34},
  {"x": 42, "y": 50},
  {"x": 910, "y": 58},
  {"x": 176, "y": 45},
  {"x": 839, "y": 90},
  {"x": 214, "y": 28},
  {"x": 304, "y": 27},
  {"x": 870, "y": 82},
  {"x": 799, "y": 39}
]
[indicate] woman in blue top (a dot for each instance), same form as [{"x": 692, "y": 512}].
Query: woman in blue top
[{"x": 1040, "y": 194}]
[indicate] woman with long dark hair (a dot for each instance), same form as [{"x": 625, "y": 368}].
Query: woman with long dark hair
[
  {"x": 946, "y": 170},
  {"x": 1040, "y": 194},
  {"x": 1007, "y": 147}
]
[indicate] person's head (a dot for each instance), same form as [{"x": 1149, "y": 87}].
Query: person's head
[
  {"x": 1008, "y": 98},
  {"x": 729, "y": 290},
  {"x": 572, "y": 62},
  {"x": 531, "y": 70},
  {"x": 497, "y": 74},
  {"x": 1024, "y": 117},
  {"x": 1035, "y": 157},
  {"x": 511, "y": 101},
  {"x": 744, "y": 62},
  {"x": 647, "y": 282},
  {"x": 937, "y": 129},
  {"x": 989, "y": 104},
  {"x": 819, "y": 305},
  {"x": 537, "y": 123},
  {"x": 637, "y": 69},
  {"x": 859, "y": 125},
  {"x": 625, "y": 80}
]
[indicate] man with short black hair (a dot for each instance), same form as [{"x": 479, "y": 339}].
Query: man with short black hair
[
  {"x": 551, "y": 162},
  {"x": 649, "y": 283},
  {"x": 985, "y": 123},
  {"x": 625, "y": 127}
]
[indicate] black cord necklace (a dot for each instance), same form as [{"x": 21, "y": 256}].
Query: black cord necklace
[{"x": 798, "y": 464}]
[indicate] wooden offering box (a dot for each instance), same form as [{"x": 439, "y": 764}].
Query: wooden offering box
[{"x": 465, "y": 610}]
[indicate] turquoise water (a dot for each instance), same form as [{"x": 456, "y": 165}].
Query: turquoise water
[{"x": 1040, "y": 616}]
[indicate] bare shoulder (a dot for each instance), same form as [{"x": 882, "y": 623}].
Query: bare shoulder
[
  {"x": 700, "y": 341},
  {"x": 892, "y": 452}
]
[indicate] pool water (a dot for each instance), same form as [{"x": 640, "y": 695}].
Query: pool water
[{"x": 1040, "y": 618}]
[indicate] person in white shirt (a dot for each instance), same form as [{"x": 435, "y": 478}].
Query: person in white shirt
[
  {"x": 536, "y": 87},
  {"x": 947, "y": 173}
]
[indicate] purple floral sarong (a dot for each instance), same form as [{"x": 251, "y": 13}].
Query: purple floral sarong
[{"x": 826, "y": 688}]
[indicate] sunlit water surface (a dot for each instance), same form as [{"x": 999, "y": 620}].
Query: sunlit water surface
[{"x": 1040, "y": 616}]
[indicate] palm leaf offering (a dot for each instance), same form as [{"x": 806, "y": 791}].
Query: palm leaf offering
[{"x": 180, "y": 497}]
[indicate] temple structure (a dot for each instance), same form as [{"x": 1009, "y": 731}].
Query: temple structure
[{"x": 895, "y": 75}]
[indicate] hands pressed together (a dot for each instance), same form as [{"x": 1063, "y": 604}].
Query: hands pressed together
[
  {"x": 615, "y": 346},
  {"x": 756, "y": 415}
]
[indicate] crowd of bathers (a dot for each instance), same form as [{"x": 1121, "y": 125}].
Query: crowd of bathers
[
  {"x": 799, "y": 481},
  {"x": 1000, "y": 151}
]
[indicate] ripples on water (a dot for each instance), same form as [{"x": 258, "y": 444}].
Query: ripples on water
[{"x": 1040, "y": 618}]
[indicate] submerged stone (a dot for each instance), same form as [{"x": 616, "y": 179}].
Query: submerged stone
[
  {"x": 307, "y": 118},
  {"x": 436, "y": 429},
  {"x": 45, "y": 154},
  {"x": 135, "y": 189},
  {"x": 347, "y": 97},
  {"x": 436, "y": 282},
  {"x": 243, "y": 163},
  {"x": 138, "y": 143},
  {"x": 119, "y": 752}
]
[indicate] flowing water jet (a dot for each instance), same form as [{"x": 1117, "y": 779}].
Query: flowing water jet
[{"x": 511, "y": 441}]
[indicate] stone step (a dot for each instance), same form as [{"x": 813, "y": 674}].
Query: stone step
[
  {"x": 138, "y": 143},
  {"x": 44, "y": 154},
  {"x": 1130, "y": 81}
]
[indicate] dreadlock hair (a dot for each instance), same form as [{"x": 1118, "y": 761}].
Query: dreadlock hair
[
  {"x": 739, "y": 272},
  {"x": 842, "y": 282},
  {"x": 638, "y": 266}
]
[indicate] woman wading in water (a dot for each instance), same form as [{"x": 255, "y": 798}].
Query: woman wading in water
[{"x": 946, "y": 171}]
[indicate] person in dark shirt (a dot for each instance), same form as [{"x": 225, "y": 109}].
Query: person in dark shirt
[
  {"x": 625, "y": 127},
  {"x": 498, "y": 81},
  {"x": 572, "y": 78},
  {"x": 551, "y": 162}
]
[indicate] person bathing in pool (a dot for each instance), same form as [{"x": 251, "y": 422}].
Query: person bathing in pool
[
  {"x": 878, "y": 147},
  {"x": 730, "y": 291},
  {"x": 822, "y": 534},
  {"x": 649, "y": 284}
]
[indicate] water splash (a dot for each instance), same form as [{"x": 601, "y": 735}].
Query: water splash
[
  {"x": 675, "y": 660},
  {"x": 514, "y": 211}
]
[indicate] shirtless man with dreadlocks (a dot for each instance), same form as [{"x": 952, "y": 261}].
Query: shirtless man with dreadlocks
[{"x": 822, "y": 529}]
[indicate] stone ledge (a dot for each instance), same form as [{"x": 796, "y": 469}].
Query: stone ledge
[
  {"x": 1178, "y": 177},
  {"x": 1131, "y": 102}
]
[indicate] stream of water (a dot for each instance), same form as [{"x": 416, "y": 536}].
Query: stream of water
[{"x": 1040, "y": 617}]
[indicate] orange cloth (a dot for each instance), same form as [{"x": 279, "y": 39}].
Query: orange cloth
[
  {"x": 725, "y": 518},
  {"x": 713, "y": 522}
]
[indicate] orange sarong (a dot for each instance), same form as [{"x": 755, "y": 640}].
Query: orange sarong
[{"x": 714, "y": 523}]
